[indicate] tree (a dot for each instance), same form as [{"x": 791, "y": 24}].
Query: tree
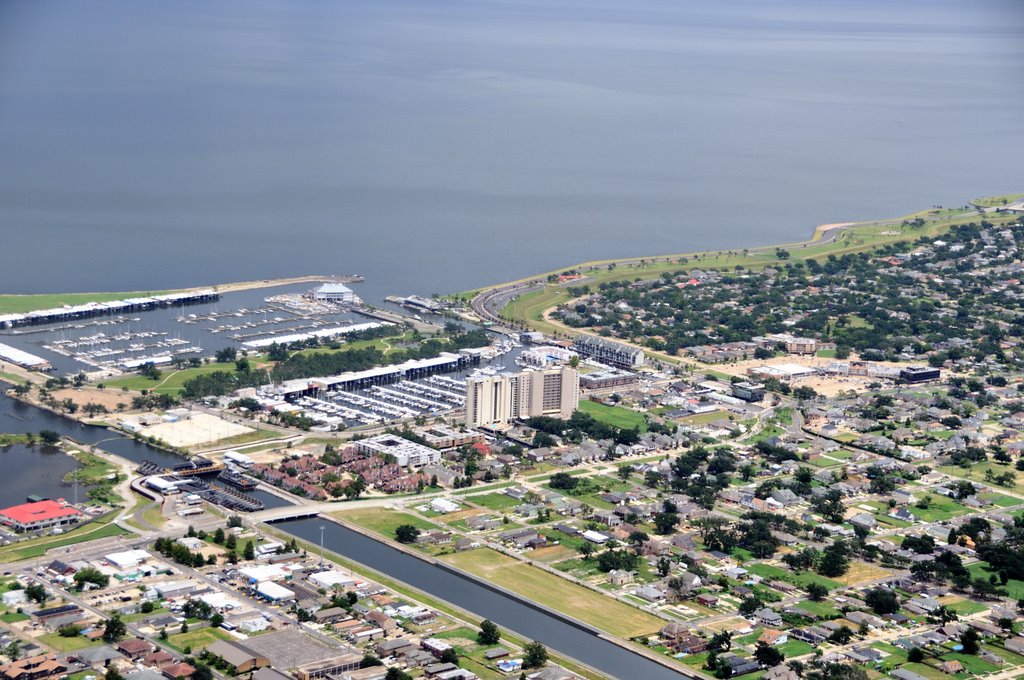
[
  {"x": 450, "y": 656},
  {"x": 489, "y": 633},
  {"x": 971, "y": 641},
  {"x": 563, "y": 480},
  {"x": 830, "y": 505},
  {"x": 721, "y": 642},
  {"x": 49, "y": 437},
  {"x": 249, "y": 552},
  {"x": 882, "y": 601},
  {"x": 69, "y": 630},
  {"x": 114, "y": 629},
  {"x": 841, "y": 635},
  {"x": 397, "y": 674},
  {"x": 665, "y": 522},
  {"x": 216, "y": 620},
  {"x": 817, "y": 591},
  {"x": 114, "y": 674},
  {"x": 535, "y": 655},
  {"x": 202, "y": 672},
  {"x": 218, "y": 536},
  {"x": 835, "y": 560},
  {"x": 836, "y": 671},
  {"x": 767, "y": 655},
  {"x": 406, "y": 533},
  {"x": 36, "y": 593},
  {"x": 915, "y": 655}
]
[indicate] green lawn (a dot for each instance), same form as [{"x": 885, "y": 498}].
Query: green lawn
[
  {"x": 941, "y": 508},
  {"x": 795, "y": 648},
  {"x": 823, "y": 609},
  {"x": 966, "y": 607},
  {"x": 552, "y": 591},
  {"x": 977, "y": 473},
  {"x": 65, "y": 644},
  {"x": 383, "y": 521},
  {"x": 197, "y": 639},
  {"x": 1014, "y": 588},
  {"x": 802, "y": 579},
  {"x": 171, "y": 382},
  {"x": 614, "y": 415},
  {"x": 997, "y": 201},
  {"x": 14, "y": 617},
  {"x": 38, "y": 547},
  {"x": 971, "y": 663},
  {"x": 494, "y": 501}
]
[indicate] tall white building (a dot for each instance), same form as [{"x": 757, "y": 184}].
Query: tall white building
[{"x": 498, "y": 399}]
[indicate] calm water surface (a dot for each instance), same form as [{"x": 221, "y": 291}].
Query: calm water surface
[{"x": 437, "y": 146}]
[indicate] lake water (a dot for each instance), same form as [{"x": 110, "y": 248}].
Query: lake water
[
  {"x": 439, "y": 146},
  {"x": 39, "y": 470}
]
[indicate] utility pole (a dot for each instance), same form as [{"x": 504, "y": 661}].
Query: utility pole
[{"x": 321, "y": 545}]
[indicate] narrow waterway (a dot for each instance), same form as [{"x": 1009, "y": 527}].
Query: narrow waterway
[
  {"x": 473, "y": 596},
  {"x": 37, "y": 463},
  {"x": 464, "y": 592}
]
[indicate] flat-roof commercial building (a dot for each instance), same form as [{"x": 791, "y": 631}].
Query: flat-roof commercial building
[
  {"x": 406, "y": 453},
  {"x": 499, "y": 399},
  {"x": 40, "y": 515},
  {"x": 919, "y": 374},
  {"x": 607, "y": 352},
  {"x": 748, "y": 391}
]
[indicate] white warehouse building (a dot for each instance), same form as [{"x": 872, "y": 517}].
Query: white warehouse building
[{"x": 334, "y": 292}]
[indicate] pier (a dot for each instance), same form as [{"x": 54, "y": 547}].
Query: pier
[{"x": 88, "y": 309}]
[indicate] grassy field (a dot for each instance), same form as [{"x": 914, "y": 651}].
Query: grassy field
[
  {"x": 383, "y": 521},
  {"x": 598, "y": 610},
  {"x": 14, "y": 617},
  {"x": 172, "y": 381},
  {"x": 17, "y": 304},
  {"x": 977, "y": 473},
  {"x": 1014, "y": 588},
  {"x": 197, "y": 639},
  {"x": 614, "y": 415},
  {"x": 531, "y": 307},
  {"x": 38, "y": 547},
  {"x": 66, "y": 644},
  {"x": 493, "y": 501},
  {"x": 802, "y": 579},
  {"x": 996, "y": 201}
]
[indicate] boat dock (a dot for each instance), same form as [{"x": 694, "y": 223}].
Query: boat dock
[{"x": 112, "y": 307}]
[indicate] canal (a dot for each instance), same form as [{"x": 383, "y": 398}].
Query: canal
[
  {"x": 471, "y": 595},
  {"x": 464, "y": 592},
  {"x": 39, "y": 470}
]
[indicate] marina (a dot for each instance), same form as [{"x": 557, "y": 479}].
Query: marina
[{"x": 97, "y": 308}]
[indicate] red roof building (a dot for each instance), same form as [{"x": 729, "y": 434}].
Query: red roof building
[{"x": 39, "y": 515}]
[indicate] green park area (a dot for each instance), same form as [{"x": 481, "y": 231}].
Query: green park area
[
  {"x": 171, "y": 382},
  {"x": 1014, "y": 587},
  {"x": 557, "y": 593},
  {"x": 383, "y": 521},
  {"x": 998, "y": 201},
  {"x": 615, "y": 415}
]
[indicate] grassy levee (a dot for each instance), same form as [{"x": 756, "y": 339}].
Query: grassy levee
[
  {"x": 429, "y": 600},
  {"x": 561, "y": 595},
  {"x": 529, "y": 309}
]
